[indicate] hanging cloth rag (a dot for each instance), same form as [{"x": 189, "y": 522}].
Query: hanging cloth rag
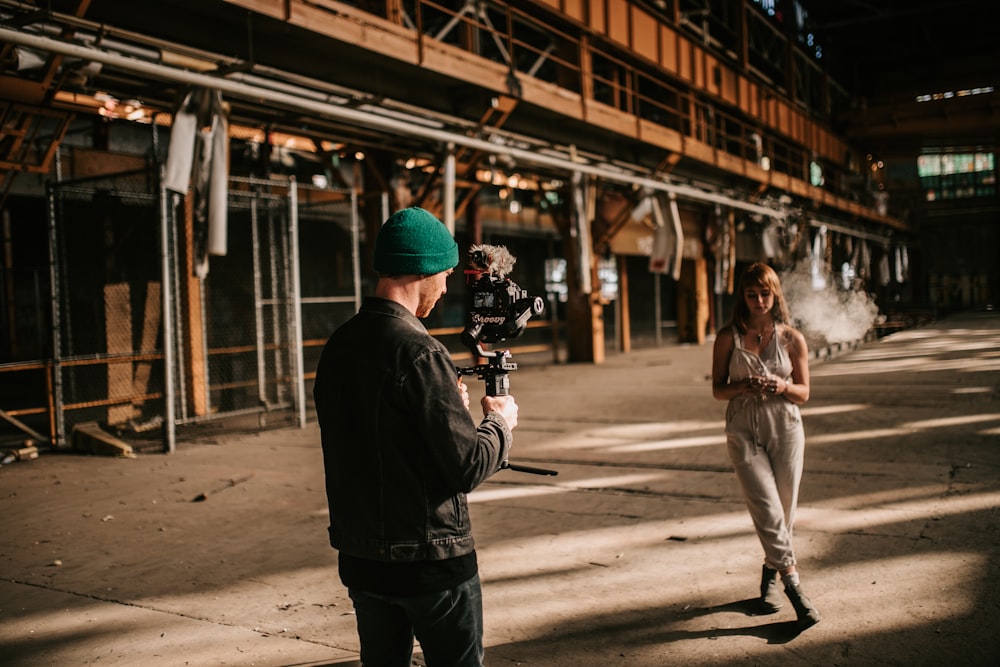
[
  {"x": 797, "y": 241},
  {"x": 180, "y": 155},
  {"x": 865, "y": 262},
  {"x": 884, "y": 271},
  {"x": 720, "y": 252},
  {"x": 663, "y": 241},
  {"x": 770, "y": 241},
  {"x": 902, "y": 264},
  {"x": 668, "y": 240},
  {"x": 817, "y": 259},
  {"x": 199, "y": 151}
]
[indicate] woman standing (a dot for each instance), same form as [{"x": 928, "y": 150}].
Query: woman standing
[{"x": 760, "y": 364}]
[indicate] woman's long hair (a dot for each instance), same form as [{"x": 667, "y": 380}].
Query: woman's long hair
[{"x": 759, "y": 274}]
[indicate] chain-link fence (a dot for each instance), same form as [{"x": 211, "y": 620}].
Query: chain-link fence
[
  {"x": 104, "y": 235},
  {"x": 330, "y": 236},
  {"x": 289, "y": 276},
  {"x": 231, "y": 343}
]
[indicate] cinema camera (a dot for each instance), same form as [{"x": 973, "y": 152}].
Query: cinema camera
[{"x": 498, "y": 310}]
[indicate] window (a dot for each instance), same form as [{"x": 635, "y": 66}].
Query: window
[{"x": 957, "y": 175}]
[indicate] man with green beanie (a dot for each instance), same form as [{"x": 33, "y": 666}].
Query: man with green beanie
[{"x": 401, "y": 450}]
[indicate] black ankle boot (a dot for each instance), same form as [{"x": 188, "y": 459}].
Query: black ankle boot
[
  {"x": 804, "y": 609},
  {"x": 770, "y": 597}
]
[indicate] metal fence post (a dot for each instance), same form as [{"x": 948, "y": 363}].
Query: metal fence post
[
  {"x": 295, "y": 318},
  {"x": 166, "y": 292}
]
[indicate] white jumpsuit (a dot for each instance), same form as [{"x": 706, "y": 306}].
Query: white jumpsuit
[{"x": 766, "y": 440}]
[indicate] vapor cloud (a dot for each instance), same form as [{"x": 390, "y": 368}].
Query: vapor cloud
[{"x": 825, "y": 314}]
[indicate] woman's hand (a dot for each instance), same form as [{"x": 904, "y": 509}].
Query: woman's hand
[{"x": 772, "y": 384}]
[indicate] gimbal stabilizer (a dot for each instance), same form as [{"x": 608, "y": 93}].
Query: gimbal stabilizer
[{"x": 498, "y": 309}]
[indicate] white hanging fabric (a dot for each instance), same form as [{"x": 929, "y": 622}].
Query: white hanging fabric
[
  {"x": 668, "y": 240},
  {"x": 865, "y": 262},
  {"x": 675, "y": 216},
  {"x": 662, "y": 254},
  {"x": 817, "y": 259},
  {"x": 884, "y": 272},
  {"x": 770, "y": 240},
  {"x": 199, "y": 151},
  {"x": 902, "y": 264},
  {"x": 180, "y": 155}
]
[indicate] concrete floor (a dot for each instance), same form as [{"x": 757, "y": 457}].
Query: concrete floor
[{"x": 639, "y": 553}]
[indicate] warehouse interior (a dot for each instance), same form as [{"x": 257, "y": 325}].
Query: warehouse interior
[{"x": 188, "y": 191}]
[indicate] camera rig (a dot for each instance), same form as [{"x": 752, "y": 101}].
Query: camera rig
[{"x": 498, "y": 310}]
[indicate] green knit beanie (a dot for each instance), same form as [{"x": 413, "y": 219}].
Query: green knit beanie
[{"x": 412, "y": 242}]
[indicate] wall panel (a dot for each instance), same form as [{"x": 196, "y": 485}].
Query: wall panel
[
  {"x": 711, "y": 74},
  {"x": 618, "y": 21},
  {"x": 728, "y": 88},
  {"x": 644, "y": 34},
  {"x": 573, "y": 8},
  {"x": 668, "y": 49},
  {"x": 684, "y": 64},
  {"x": 598, "y": 16},
  {"x": 782, "y": 119},
  {"x": 698, "y": 67}
]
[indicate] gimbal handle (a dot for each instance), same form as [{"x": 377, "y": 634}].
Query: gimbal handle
[
  {"x": 498, "y": 384},
  {"x": 494, "y": 373}
]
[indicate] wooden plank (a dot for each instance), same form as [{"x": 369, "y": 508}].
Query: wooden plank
[
  {"x": 272, "y": 8},
  {"x": 693, "y": 301},
  {"x": 625, "y": 318},
  {"x": 658, "y": 135},
  {"x": 118, "y": 340},
  {"x": 195, "y": 362},
  {"x": 610, "y": 118},
  {"x": 88, "y": 162},
  {"x": 357, "y": 27},
  {"x": 150, "y": 333}
]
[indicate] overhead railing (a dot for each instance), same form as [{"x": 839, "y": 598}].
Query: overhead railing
[
  {"x": 568, "y": 162},
  {"x": 614, "y": 71},
  {"x": 617, "y": 89}
]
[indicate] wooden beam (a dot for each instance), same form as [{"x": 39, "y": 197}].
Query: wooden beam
[
  {"x": 624, "y": 316},
  {"x": 150, "y": 332},
  {"x": 118, "y": 340},
  {"x": 195, "y": 362}
]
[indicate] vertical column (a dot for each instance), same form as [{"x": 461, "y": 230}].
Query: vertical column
[
  {"x": 623, "y": 305},
  {"x": 195, "y": 361}
]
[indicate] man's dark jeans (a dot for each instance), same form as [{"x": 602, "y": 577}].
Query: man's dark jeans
[{"x": 448, "y": 624}]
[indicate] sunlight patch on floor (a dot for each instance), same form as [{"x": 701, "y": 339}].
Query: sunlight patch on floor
[
  {"x": 833, "y": 409},
  {"x": 947, "y": 422},
  {"x": 661, "y": 445},
  {"x": 610, "y": 438},
  {"x": 853, "y": 436},
  {"x": 915, "y": 364},
  {"x": 484, "y": 495},
  {"x": 841, "y": 516},
  {"x": 862, "y": 519},
  {"x": 647, "y": 596}
]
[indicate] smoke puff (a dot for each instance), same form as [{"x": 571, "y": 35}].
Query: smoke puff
[{"x": 825, "y": 314}]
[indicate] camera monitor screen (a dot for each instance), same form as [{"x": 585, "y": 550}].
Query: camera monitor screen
[{"x": 484, "y": 299}]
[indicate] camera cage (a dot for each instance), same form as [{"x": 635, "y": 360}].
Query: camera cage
[{"x": 498, "y": 310}]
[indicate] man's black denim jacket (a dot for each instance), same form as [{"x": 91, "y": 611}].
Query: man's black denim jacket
[{"x": 399, "y": 446}]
